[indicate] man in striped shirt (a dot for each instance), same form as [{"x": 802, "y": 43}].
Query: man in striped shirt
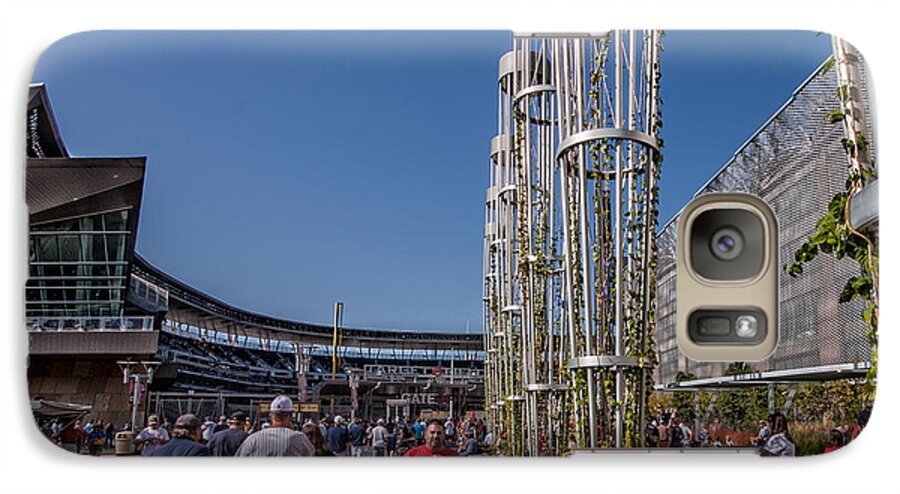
[{"x": 280, "y": 439}]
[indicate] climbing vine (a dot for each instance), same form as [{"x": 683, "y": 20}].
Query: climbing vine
[{"x": 834, "y": 234}]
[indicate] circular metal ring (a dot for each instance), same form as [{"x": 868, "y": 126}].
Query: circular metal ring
[
  {"x": 536, "y": 89},
  {"x": 499, "y": 143},
  {"x": 509, "y": 188},
  {"x": 546, "y": 387},
  {"x": 601, "y": 361},
  {"x": 596, "y": 134}
]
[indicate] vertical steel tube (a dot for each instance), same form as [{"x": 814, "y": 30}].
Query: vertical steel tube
[{"x": 618, "y": 241}]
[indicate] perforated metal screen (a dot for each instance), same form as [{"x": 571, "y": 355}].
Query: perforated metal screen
[{"x": 797, "y": 164}]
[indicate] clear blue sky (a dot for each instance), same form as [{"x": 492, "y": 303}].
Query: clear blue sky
[{"x": 289, "y": 170}]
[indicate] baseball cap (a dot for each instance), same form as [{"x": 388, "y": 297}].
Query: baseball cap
[
  {"x": 238, "y": 417},
  {"x": 153, "y": 420},
  {"x": 338, "y": 419},
  {"x": 188, "y": 421},
  {"x": 282, "y": 403}
]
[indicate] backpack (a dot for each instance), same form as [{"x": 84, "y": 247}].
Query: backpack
[{"x": 677, "y": 436}]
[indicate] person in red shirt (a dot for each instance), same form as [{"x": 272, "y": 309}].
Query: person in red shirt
[{"x": 435, "y": 442}]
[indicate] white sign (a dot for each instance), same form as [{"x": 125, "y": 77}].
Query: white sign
[{"x": 420, "y": 398}]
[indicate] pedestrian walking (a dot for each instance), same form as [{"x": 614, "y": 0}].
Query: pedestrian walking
[
  {"x": 317, "y": 440},
  {"x": 357, "y": 436},
  {"x": 279, "y": 439},
  {"x": 379, "y": 438},
  {"x": 227, "y": 442},
  {"x": 221, "y": 425},
  {"x": 152, "y": 436},
  {"x": 186, "y": 436},
  {"x": 110, "y": 435},
  {"x": 96, "y": 439},
  {"x": 206, "y": 430},
  {"x": 337, "y": 437},
  {"x": 470, "y": 446},
  {"x": 435, "y": 442}
]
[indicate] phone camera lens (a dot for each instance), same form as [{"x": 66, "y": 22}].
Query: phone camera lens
[{"x": 726, "y": 244}]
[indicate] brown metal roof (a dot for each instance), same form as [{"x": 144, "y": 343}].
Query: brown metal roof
[{"x": 55, "y": 182}]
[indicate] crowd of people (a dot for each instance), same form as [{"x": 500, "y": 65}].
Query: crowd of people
[
  {"x": 92, "y": 436},
  {"x": 773, "y": 437},
  {"x": 281, "y": 435}
]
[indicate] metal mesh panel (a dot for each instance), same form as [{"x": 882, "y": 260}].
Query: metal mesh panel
[
  {"x": 797, "y": 164},
  {"x": 172, "y": 407}
]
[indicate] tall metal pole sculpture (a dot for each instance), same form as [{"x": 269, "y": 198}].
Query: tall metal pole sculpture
[
  {"x": 569, "y": 232},
  {"x": 336, "y": 343}
]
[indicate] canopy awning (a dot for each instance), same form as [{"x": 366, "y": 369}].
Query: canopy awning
[{"x": 856, "y": 370}]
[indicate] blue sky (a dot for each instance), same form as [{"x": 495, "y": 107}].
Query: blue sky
[{"x": 289, "y": 170}]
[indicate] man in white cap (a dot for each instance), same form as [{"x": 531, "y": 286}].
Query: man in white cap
[
  {"x": 152, "y": 436},
  {"x": 379, "y": 438},
  {"x": 337, "y": 437},
  {"x": 280, "y": 439}
]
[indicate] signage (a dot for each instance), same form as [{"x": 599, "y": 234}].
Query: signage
[
  {"x": 425, "y": 398},
  {"x": 310, "y": 407},
  {"x": 264, "y": 408},
  {"x": 420, "y": 373}
]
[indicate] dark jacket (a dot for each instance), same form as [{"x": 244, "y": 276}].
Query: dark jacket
[
  {"x": 357, "y": 435},
  {"x": 181, "y": 446},
  {"x": 337, "y": 439},
  {"x": 226, "y": 443}
]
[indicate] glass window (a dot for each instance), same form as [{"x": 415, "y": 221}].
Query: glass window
[
  {"x": 89, "y": 223},
  {"x": 47, "y": 248},
  {"x": 65, "y": 281},
  {"x": 115, "y": 247},
  {"x": 69, "y": 248},
  {"x": 70, "y": 270},
  {"x": 89, "y": 247},
  {"x": 116, "y": 221},
  {"x": 118, "y": 270},
  {"x": 55, "y": 295},
  {"x": 52, "y": 270}
]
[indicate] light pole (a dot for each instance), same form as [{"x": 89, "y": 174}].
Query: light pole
[
  {"x": 354, "y": 403},
  {"x": 143, "y": 376},
  {"x": 302, "y": 358}
]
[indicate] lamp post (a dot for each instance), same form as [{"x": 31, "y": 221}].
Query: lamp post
[
  {"x": 138, "y": 374},
  {"x": 354, "y": 403}
]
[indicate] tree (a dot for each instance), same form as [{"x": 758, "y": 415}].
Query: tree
[{"x": 740, "y": 409}]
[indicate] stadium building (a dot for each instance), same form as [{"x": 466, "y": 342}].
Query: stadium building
[{"x": 107, "y": 329}]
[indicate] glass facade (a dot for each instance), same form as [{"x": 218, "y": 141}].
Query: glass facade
[{"x": 78, "y": 266}]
